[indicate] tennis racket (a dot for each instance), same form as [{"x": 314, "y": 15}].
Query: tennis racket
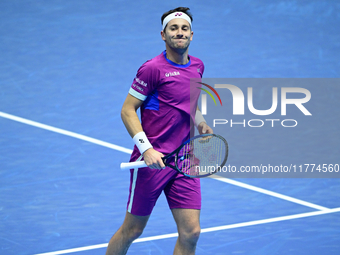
[{"x": 200, "y": 156}]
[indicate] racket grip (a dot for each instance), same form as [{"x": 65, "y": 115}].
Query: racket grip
[{"x": 130, "y": 165}]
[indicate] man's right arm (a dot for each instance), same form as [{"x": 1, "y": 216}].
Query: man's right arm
[{"x": 152, "y": 158}]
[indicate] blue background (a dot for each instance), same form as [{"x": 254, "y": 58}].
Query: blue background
[{"x": 69, "y": 64}]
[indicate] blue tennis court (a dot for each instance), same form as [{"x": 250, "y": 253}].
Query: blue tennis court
[{"x": 65, "y": 70}]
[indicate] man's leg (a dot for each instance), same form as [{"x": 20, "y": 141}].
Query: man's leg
[
  {"x": 131, "y": 229},
  {"x": 189, "y": 229}
]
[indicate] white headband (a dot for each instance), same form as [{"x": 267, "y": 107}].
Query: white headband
[{"x": 176, "y": 15}]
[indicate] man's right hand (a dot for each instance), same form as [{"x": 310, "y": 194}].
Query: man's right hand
[{"x": 153, "y": 159}]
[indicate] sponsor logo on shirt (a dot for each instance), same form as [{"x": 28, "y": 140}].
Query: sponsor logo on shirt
[
  {"x": 137, "y": 87},
  {"x": 172, "y": 74},
  {"x": 141, "y": 82}
]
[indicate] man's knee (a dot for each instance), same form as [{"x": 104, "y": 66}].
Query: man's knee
[
  {"x": 190, "y": 236},
  {"x": 132, "y": 233},
  {"x": 133, "y": 226}
]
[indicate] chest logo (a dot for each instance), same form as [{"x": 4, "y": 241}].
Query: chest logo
[{"x": 169, "y": 74}]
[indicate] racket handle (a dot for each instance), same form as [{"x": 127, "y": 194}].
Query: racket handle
[{"x": 130, "y": 165}]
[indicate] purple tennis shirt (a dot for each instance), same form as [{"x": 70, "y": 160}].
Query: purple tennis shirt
[{"x": 169, "y": 106}]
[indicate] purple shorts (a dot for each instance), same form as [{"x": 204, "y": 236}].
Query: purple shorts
[{"x": 147, "y": 184}]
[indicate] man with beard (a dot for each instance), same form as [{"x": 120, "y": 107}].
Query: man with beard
[{"x": 161, "y": 89}]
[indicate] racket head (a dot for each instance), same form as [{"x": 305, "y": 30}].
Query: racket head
[{"x": 202, "y": 155}]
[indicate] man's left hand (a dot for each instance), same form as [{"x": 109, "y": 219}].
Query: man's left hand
[{"x": 203, "y": 128}]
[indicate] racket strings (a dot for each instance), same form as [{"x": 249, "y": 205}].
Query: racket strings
[{"x": 203, "y": 156}]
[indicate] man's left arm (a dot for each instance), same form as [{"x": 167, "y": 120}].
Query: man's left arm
[{"x": 201, "y": 124}]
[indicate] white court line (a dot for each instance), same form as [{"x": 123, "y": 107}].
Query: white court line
[
  {"x": 270, "y": 193},
  {"x": 205, "y": 230},
  {"x": 65, "y": 132},
  {"x": 122, "y": 149},
  {"x": 322, "y": 210}
]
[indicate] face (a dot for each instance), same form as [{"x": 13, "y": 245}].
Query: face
[{"x": 178, "y": 34}]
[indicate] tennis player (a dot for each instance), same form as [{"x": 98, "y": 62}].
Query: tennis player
[{"x": 161, "y": 89}]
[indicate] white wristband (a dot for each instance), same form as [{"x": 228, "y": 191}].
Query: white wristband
[
  {"x": 198, "y": 118},
  {"x": 142, "y": 142}
]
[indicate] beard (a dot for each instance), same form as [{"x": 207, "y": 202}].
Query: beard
[{"x": 181, "y": 43}]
